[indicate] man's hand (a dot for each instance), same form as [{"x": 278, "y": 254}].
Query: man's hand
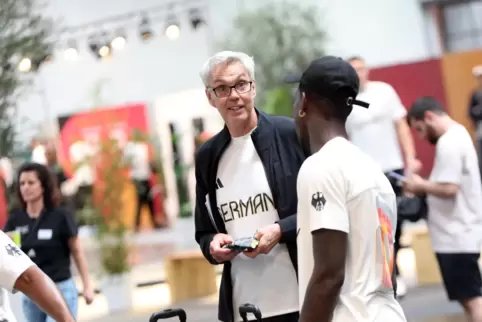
[
  {"x": 217, "y": 251},
  {"x": 414, "y": 184},
  {"x": 268, "y": 237}
]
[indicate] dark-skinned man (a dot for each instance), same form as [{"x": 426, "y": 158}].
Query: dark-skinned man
[{"x": 346, "y": 207}]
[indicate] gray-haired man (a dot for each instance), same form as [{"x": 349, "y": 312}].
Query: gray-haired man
[{"x": 245, "y": 186}]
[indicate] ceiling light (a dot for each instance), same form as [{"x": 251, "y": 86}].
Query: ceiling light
[
  {"x": 25, "y": 65},
  {"x": 145, "y": 30},
  {"x": 119, "y": 41},
  {"x": 172, "y": 32}
]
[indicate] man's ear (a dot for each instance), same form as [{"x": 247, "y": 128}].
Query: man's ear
[
  {"x": 303, "y": 102},
  {"x": 428, "y": 115},
  {"x": 209, "y": 95},
  {"x": 253, "y": 89}
]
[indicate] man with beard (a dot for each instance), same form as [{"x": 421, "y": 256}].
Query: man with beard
[
  {"x": 346, "y": 207},
  {"x": 454, "y": 199}
]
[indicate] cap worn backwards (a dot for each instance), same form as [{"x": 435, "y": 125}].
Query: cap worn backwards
[{"x": 330, "y": 77}]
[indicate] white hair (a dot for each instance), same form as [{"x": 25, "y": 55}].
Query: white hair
[{"x": 226, "y": 57}]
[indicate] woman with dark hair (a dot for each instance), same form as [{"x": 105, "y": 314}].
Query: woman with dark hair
[{"x": 48, "y": 235}]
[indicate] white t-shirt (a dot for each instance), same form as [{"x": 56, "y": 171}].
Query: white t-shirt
[
  {"x": 6, "y": 313},
  {"x": 341, "y": 188},
  {"x": 7, "y": 170},
  {"x": 81, "y": 155},
  {"x": 455, "y": 224},
  {"x": 246, "y": 204},
  {"x": 137, "y": 154},
  {"x": 38, "y": 154},
  {"x": 373, "y": 129},
  {"x": 13, "y": 262}
]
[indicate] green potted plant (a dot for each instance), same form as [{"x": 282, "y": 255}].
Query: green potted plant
[
  {"x": 111, "y": 231},
  {"x": 279, "y": 101}
]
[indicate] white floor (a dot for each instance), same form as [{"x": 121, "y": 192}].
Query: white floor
[{"x": 155, "y": 297}]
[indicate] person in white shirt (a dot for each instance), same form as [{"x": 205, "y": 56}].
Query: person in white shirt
[
  {"x": 38, "y": 152},
  {"x": 245, "y": 187},
  {"x": 346, "y": 207},
  {"x": 454, "y": 199},
  {"x": 19, "y": 273},
  {"x": 383, "y": 133},
  {"x": 137, "y": 156}
]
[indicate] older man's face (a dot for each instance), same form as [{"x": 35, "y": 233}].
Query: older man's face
[
  {"x": 362, "y": 71},
  {"x": 232, "y": 92}
]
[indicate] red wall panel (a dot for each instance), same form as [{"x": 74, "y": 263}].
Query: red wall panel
[{"x": 412, "y": 81}]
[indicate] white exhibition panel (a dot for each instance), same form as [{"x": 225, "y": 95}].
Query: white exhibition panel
[{"x": 181, "y": 108}]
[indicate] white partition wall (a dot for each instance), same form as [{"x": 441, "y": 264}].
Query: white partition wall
[{"x": 181, "y": 109}]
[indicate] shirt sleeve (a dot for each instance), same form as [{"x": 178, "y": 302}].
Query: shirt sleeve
[
  {"x": 449, "y": 163},
  {"x": 13, "y": 262},
  {"x": 326, "y": 195},
  {"x": 70, "y": 227},
  {"x": 398, "y": 111}
]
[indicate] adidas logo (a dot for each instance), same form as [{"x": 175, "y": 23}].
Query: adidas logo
[{"x": 219, "y": 184}]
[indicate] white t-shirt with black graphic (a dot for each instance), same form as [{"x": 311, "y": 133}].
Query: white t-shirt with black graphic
[
  {"x": 246, "y": 204},
  {"x": 455, "y": 224},
  {"x": 341, "y": 188},
  {"x": 13, "y": 262}
]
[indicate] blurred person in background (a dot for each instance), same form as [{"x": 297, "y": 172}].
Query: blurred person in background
[
  {"x": 246, "y": 186},
  {"x": 7, "y": 171},
  {"x": 19, "y": 273},
  {"x": 475, "y": 110},
  {"x": 454, "y": 199},
  {"x": 383, "y": 133},
  {"x": 6, "y": 181},
  {"x": 137, "y": 153},
  {"x": 38, "y": 152},
  {"x": 58, "y": 177},
  {"x": 158, "y": 194},
  {"x": 58, "y": 174},
  {"x": 48, "y": 235}
]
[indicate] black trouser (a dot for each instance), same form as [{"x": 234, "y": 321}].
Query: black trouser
[
  {"x": 290, "y": 317},
  {"x": 398, "y": 234},
  {"x": 143, "y": 189}
]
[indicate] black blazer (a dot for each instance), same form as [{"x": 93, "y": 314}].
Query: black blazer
[{"x": 277, "y": 145}]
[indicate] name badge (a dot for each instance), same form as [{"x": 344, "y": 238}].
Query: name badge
[
  {"x": 44, "y": 234},
  {"x": 23, "y": 229}
]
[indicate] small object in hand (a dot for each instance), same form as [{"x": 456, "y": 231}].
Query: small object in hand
[{"x": 245, "y": 244}]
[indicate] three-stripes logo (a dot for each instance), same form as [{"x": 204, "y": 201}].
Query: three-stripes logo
[{"x": 219, "y": 184}]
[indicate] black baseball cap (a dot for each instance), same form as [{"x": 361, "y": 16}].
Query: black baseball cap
[{"x": 330, "y": 77}]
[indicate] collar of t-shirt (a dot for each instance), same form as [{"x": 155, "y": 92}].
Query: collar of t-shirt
[{"x": 243, "y": 138}]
